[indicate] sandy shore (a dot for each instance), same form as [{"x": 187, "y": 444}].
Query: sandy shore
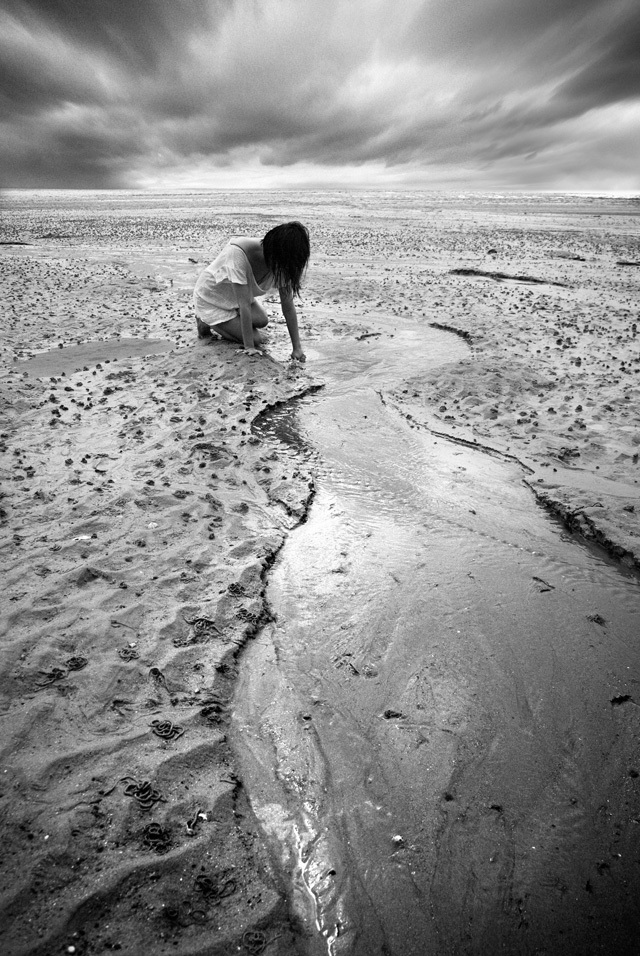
[{"x": 140, "y": 516}]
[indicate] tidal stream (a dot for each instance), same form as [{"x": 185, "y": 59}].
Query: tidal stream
[{"x": 439, "y": 730}]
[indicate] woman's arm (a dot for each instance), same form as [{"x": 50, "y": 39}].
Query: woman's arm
[
  {"x": 243, "y": 297},
  {"x": 291, "y": 318}
]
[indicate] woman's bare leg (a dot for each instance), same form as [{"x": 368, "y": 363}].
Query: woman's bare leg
[
  {"x": 232, "y": 330},
  {"x": 203, "y": 329}
]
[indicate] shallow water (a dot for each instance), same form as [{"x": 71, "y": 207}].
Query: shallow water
[
  {"x": 433, "y": 730},
  {"x": 75, "y": 358}
]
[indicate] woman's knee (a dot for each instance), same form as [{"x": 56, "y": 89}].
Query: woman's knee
[{"x": 259, "y": 317}]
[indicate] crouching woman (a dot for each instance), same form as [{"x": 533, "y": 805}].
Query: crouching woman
[{"x": 227, "y": 292}]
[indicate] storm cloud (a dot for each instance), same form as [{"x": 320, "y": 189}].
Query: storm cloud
[{"x": 109, "y": 93}]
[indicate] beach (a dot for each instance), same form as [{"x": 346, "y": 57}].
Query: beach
[{"x": 147, "y": 517}]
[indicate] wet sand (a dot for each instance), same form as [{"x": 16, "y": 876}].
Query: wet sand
[{"x": 141, "y": 517}]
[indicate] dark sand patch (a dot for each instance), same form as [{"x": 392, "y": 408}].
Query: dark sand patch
[{"x": 502, "y": 276}]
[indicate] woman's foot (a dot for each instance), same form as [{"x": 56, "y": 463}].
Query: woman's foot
[{"x": 203, "y": 330}]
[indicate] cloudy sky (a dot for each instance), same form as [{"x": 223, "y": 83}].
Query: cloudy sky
[{"x": 541, "y": 94}]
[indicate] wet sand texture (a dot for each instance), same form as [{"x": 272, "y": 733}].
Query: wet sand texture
[{"x": 141, "y": 518}]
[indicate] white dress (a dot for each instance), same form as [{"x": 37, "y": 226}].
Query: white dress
[{"x": 214, "y": 297}]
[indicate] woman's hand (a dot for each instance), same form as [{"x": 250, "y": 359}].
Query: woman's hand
[{"x": 291, "y": 318}]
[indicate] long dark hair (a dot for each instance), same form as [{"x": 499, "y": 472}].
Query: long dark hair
[{"x": 286, "y": 251}]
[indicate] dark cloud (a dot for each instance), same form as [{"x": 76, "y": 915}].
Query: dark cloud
[
  {"x": 588, "y": 48},
  {"x": 85, "y": 164},
  {"x": 112, "y": 91},
  {"x": 31, "y": 82},
  {"x": 613, "y": 72},
  {"x": 136, "y": 31},
  {"x": 473, "y": 30}
]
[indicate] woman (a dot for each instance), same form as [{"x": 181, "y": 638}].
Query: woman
[{"x": 226, "y": 292}]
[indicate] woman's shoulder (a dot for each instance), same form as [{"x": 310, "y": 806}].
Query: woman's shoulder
[
  {"x": 230, "y": 265},
  {"x": 248, "y": 244},
  {"x": 252, "y": 253},
  {"x": 235, "y": 253}
]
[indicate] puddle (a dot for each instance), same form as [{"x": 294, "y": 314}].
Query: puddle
[
  {"x": 74, "y": 358},
  {"x": 426, "y": 730}
]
